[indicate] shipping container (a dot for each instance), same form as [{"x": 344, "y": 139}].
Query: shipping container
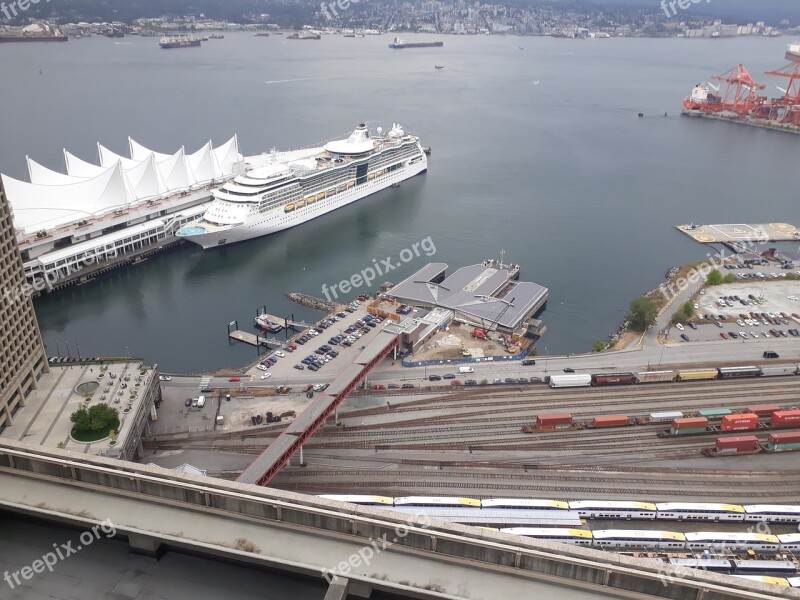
[
  {"x": 665, "y": 416},
  {"x": 713, "y": 413},
  {"x": 578, "y": 380},
  {"x": 558, "y": 420},
  {"x": 612, "y": 379},
  {"x": 656, "y": 376},
  {"x": 739, "y": 372},
  {"x": 745, "y": 422},
  {"x": 742, "y": 443},
  {"x": 697, "y": 374},
  {"x": 785, "y": 418},
  {"x": 763, "y": 410},
  {"x": 690, "y": 423},
  {"x": 789, "y": 437},
  {"x": 778, "y": 370},
  {"x": 612, "y": 421}
]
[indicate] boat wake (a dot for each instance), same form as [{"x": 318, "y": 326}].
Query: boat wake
[{"x": 291, "y": 80}]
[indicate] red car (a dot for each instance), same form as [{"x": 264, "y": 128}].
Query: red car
[
  {"x": 455, "y": 382},
  {"x": 233, "y": 379},
  {"x": 308, "y": 386},
  {"x": 723, "y": 335}
]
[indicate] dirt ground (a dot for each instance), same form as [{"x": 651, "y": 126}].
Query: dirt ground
[
  {"x": 448, "y": 345},
  {"x": 237, "y": 412}
]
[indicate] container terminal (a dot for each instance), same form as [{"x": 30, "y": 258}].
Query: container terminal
[{"x": 743, "y": 100}]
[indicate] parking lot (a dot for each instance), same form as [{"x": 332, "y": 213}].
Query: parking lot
[
  {"x": 757, "y": 307},
  {"x": 308, "y": 345}
]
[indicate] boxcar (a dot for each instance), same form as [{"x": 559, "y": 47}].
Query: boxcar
[{"x": 578, "y": 380}]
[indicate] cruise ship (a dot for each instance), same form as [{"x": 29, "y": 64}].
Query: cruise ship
[{"x": 295, "y": 187}]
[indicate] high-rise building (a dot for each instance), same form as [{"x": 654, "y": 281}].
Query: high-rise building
[{"x": 22, "y": 356}]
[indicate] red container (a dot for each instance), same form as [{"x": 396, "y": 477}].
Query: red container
[
  {"x": 611, "y": 421},
  {"x": 742, "y": 443},
  {"x": 690, "y": 423},
  {"x": 786, "y": 418},
  {"x": 791, "y": 437},
  {"x": 553, "y": 420},
  {"x": 763, "y": 410},
  {"x": 745, "y": 422}
]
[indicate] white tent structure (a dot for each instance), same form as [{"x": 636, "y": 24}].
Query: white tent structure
[{"x": 53, "y": 199}]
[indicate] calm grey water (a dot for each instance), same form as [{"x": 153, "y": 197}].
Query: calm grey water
[{"x": 562, "y": 174}]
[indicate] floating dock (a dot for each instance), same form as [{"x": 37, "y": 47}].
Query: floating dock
[
  {"x": 247, "y": 338},
  {"x": 741, "y": 234}
]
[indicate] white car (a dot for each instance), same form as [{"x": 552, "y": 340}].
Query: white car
[
  {"x": 702, "y": 292},
  {"x": 679, "y": 326},
  {"x": 740, "y": 323},
  {"x": 696, "y": 305},
  {"x": 754, "y": 334},
  {"x": 262, "y": 367},
  {"x": 266, "y": 376},
  {"x": 743, "y": 334},
  {"x": 279, "y": 354},
  {"x": 792, "y": 297},
  {"x": 317, "y": 387},
  {"x": 164, "y": 378}
]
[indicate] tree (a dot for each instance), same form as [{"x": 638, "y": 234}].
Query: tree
[
  {"x": 729, "y": 278},
  {"x": 642, "y": 314},
  {"x": 687, "y": 309},
  {"x": 714, "y": 277},
  {"x": 99, "y": 417},
  {"x": 599, "y": 346}
]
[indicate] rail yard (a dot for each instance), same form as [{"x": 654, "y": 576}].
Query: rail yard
[{"x": 471, "y": 442}]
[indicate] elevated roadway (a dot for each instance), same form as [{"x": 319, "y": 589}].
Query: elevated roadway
[{"x": 368, "y": 548}]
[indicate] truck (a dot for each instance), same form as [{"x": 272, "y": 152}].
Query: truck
[{"x": 466, "y": 370}]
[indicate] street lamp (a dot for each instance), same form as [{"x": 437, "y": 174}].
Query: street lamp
[{"x": 546, "y": 356}]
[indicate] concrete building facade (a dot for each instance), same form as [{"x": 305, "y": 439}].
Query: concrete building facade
[{"x": 22, "y": 355}]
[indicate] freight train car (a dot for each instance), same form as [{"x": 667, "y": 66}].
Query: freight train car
[
  {"x": 714, "y": 413},
  {"x": 697, "y": 374},
  {"x": 763, "y": 410},
  {"x": 739, "y": 372},
  {"x": 613, "y": 379},
  {"x": 778, "y": 370},
  {"x": 742, "y": 422},
  {"x": 553, "y": 421},
  {"x": 783, "y": 419},
  {"x": 733, "y": 445},
  {"x": 783, "y": 442},
  {"x": 610, "y": 421},
  {"x": 577, "y": 380},
  {"x": 687, "y": 426},
  {"x": 656, "y": 376}
]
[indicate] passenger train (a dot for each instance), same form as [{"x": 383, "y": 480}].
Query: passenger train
[{"x": 600, "y": 509}]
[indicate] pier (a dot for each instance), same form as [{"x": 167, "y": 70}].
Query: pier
[
  {"x": 749, "y": 121},
  {"x": 740, "y": 235}
]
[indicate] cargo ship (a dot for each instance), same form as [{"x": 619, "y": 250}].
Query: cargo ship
[
  {"x": 399, "y": 44},
  {"x": 287, "y": 189},
  {"x": 744, "y": 101},
  {"x": 304, "y": 36},
  {"x": 793, "y": 52},
  {"x": 169, "y": 43}
]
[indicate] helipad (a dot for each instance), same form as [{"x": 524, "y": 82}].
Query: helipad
[{"x": 741, "y": 233}]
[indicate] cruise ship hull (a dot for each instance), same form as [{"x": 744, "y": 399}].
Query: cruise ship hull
[{"x": 278, "y": 220}]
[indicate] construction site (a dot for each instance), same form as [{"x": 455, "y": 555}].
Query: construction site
[{"x": 744, "y": 100}]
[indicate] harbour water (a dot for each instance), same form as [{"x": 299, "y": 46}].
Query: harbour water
[{"x": 538, "y": 152}]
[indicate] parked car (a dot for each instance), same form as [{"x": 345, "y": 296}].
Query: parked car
[
  {"x": 569, "y": 370},
  {"x": 164, "y": 378},
  {"x": 407, "y": 386},
  {"x": 448, "y": 376},
  {"x": 528, "y": 362},
  {"x": 188, "y": 402},
  {"x": 233, "y": 379}
]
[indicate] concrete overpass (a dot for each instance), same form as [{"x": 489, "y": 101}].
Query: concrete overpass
[{"x": 369, "y": 548}]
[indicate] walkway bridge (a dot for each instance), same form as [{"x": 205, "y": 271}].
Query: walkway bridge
[{"x": 273, "y": 459}]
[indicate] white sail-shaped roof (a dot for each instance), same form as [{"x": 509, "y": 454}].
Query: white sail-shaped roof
[
  {"x": 38, "y": 206},
  {"x": 226, "y": 157},
  {"x": 77, "y": 167},
  {"x": 109, "y": 157},
  {"x": 139, "y": 152},
  {"x": 202, "y": 164},
  {"x": 41, "y": 175},
  {"x": 175, "y": 172},
  {"x": 144, "y": 180}
]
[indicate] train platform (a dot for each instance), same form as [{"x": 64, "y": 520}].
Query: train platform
[{"x": 741, "y": 233}]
